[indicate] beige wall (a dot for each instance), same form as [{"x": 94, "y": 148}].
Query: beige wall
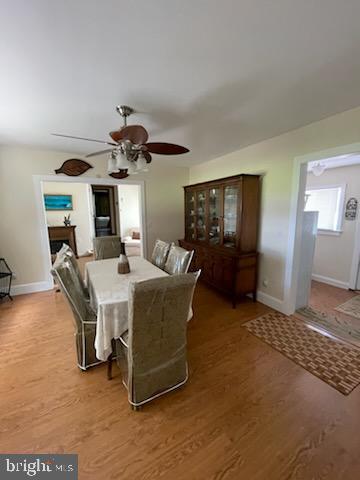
[
  {"x": 274, "y": 158},
  {"x": 20, "y": 240},
  {"x": 20, "y": 236},
  {"x": 333, "y": 254},
  {"x": 129, "y": 198},
  {"x": 80, "y": 215}
]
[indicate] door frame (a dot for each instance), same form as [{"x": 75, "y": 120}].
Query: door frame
[
  {"x": 355, "y": 262},
  {"x": 296, "y": 218},
  {"x": 38, "y": 181},
  {"x": 114, "y": 207}
]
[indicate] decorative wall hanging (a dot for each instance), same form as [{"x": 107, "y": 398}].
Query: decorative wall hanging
[
  {"x": 120, "y": 174},
  {"x": 73, "y": 167},
  {"x": 351, "y": 209}
]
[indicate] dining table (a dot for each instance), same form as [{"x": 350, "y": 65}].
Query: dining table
[{"x": 109, "y": 294}]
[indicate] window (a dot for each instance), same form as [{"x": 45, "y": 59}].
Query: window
[{"x": 329, "y": 202}]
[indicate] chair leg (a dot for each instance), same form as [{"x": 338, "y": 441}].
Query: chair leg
[{"x": 109, "y": 367}]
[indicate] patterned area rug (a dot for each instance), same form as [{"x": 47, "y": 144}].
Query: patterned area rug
[
  {"x": 351, "y": 307},
  {"x": 334, "y": 362},
  {"x": 341, "y": 326}
]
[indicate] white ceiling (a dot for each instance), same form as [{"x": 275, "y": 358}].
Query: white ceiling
[{"x": 211, "y": 75}]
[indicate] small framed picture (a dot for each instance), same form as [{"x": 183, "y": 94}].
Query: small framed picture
[{"x": 58, "y": 202}]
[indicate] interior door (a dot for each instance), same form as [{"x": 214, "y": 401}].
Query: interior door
[{"x": 105, "y": 210}]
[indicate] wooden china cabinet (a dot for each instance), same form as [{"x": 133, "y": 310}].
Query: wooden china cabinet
[{"x": 221, "y": 226}]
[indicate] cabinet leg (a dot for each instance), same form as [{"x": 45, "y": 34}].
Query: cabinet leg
[
  {"x": 254, "y": 296},
  {"x": 109, "y": 367},
  {"x": 233, "y": 302}
]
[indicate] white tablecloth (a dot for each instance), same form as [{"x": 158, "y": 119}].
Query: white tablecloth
[{"x": 109, "y": 297}]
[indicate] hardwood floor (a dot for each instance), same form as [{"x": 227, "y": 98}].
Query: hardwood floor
[
  {"x": 247, "y": 412},
  {"x": 326, "y": 297}
]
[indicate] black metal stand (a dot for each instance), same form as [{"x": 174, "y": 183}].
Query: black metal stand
[{"x": 5, "y": 279}]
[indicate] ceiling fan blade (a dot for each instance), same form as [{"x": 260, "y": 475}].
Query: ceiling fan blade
[
  {"x": 163, "y": 148},
  {"x": 116, "y": 135},
  {"x": 99, "y": 153},
  {"x": 147, "y": 156},
  {"x": 135, "y": 133},
  {"x": 83, "y": 138}
]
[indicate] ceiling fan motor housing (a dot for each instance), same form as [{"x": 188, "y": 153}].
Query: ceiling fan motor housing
[{"x": 124, "y": 110}]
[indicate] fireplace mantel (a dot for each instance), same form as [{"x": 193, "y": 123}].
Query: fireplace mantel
[{"x": 62, "y": 234}]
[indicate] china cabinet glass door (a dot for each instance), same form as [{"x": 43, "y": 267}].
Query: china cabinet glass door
[
  {"x": 190, "y": 215},
  {"x": 201, "y": 215},
  {"x": 214, "y": 225},
  {"x": 230, "y": 215}
]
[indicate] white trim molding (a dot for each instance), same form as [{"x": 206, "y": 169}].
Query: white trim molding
[
  {"x": 271, "y": 302},
  {"x": 355, "y": 263},
  {"x": 330, "y": 281},
  {"x": 30, "y": 288}
]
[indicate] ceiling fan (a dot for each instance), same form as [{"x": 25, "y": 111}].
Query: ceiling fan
[{"x": 130, "y": 149}]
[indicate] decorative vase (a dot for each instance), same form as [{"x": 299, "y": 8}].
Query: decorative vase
[{"x": 123, "y": 265}]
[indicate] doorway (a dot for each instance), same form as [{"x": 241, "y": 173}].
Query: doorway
[
  {"x": 59, "y": 186},
  {"x": 105, "y": 210},
  {"x": 327, "y": 249}
]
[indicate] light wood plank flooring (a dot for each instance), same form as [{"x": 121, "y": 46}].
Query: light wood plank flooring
[
  {"x": 247, "y": 412},
  {"x": 326, "y": 297}
]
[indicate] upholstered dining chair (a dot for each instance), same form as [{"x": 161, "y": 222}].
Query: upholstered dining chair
[
  {"x": 160, "y": 253},
  {"x": 83, "y": 315},
  {"x": 107, "y": 247},
  {"x": 178, "y": 260},
  {"x": 66, "y": 251},
  {"x": 152, "y": 353}
]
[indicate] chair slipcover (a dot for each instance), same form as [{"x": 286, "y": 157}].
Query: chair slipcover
[
  {"x": 178, "y": 260},
  {"x": 152, "y": 354},
  {"x": 160, "y": 253},
  {"x": 66, "y": 251},
  {"x": 107, "y": 247},
  {"x": 83, "y": 315}
]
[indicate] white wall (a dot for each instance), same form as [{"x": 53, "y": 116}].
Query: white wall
[
  {"x": 129, "y": 205},
  {"x": 333, "y": 254},
  {"x": 274, "y": 159},
  {"x": 79, "y": 215},
  {"x": 20, "y": 241}
]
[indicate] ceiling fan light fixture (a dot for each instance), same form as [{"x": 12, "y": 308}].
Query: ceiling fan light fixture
[
  {"x": 318, "y": 169},
  {"x": 141, "y": 164},
  {"x": 131, "y": 168},
  {"x": 121, "y": 161},
  {"x": 129, "y": 146},
  {"x": 112, "y": 165}
]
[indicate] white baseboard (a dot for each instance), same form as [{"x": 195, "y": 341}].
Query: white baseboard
[
  {"x": 272, "y": 302},
  {"x": 30, "y": 288},
  {"x": 330, "y": 281}
]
